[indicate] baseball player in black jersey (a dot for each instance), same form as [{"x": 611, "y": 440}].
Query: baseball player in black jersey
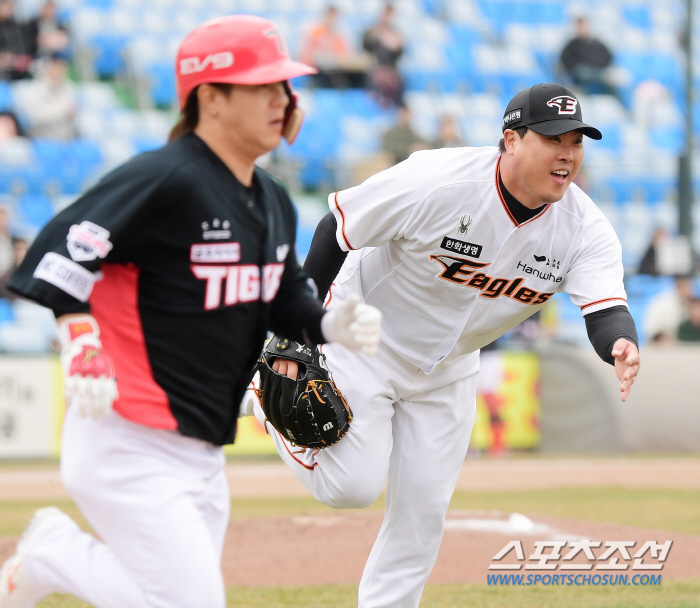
[{"x": 165, "y": 278}]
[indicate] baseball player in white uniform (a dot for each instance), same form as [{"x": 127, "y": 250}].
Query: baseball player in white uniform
[{"x": 455, "y": 247}]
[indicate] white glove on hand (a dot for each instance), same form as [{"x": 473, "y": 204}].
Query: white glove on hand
[
  {"x": 89, "y": 382},
  {"x": 354, "y": 325}
]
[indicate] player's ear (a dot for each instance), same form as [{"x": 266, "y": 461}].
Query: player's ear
[
  {"x": 207, "y": 97},
  {"x": 509, "y": 139}
]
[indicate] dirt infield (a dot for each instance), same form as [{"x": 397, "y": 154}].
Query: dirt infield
[
  {"x": 465, "y": 554},
  {"x": 276, "y": 479},
  {"x": 277, "y": 551},
  {"x": 281, "y": 550}
]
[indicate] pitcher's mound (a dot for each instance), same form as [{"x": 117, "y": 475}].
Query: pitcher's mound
[{"x": 326, "y": 549}]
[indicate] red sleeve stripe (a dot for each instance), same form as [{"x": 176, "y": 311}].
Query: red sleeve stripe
[
  {"x": 342, "y": 227},
  {"x": 601, "y": 301}
]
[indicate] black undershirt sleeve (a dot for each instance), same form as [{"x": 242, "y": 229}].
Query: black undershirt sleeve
[
  {"x": 606, "y": 326},
  {"x": 325, "y": 256},
  {"x": 302, "y": 321}
]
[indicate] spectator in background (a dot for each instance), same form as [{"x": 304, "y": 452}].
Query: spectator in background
[
  {"x": 327, "y": 49},
  {"x": 19, "y": 250},
  {"x": 6, "y": 253},
  {"x": 16, "y": 44},
  {"x": 50, "y": 36},
  {"x": 689, "y": 330},
  {"x": 669, "y": 255},
  {"x": 385, "y": 44},
  {"x": 587, "y": 61},
  {"x": 650, "y": 260},
  {"x": 400, "y": 141},
  {"x": 448, "y": 134},
  {"x": 667, "y": 311},
  {"x": 9, "y": 126},
  {"x": 50, "y": 102}
]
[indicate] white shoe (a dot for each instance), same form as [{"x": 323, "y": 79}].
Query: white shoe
[
  {"x": 251, "y": 397},
  {"x": 15, "y": 590}
]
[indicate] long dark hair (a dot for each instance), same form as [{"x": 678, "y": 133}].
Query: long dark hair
[{"x": 189, "y": 117}]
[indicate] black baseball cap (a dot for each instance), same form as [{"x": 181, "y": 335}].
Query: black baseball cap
[{"x": 547, "y": 109}]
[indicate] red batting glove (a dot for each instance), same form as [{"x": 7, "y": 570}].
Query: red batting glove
[{"x": 89, "y": 382}]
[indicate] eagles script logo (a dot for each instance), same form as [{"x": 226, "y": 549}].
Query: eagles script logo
[{"x": 564, "y": 103}]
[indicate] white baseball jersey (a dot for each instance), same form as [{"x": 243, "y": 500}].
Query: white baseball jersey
[{"x": 434, "y": 246}]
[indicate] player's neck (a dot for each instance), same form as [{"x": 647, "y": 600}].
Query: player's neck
[
  {"x": 241, "y": 165},
  {"x": 512, "y": 184}
]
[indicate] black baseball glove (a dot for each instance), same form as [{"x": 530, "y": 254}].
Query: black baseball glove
[{"x": 310, "y": 411}]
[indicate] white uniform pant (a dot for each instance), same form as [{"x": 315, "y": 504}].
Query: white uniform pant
[
  {"x": 160, "y": 504},
  {"x": 410, "y": 427}
]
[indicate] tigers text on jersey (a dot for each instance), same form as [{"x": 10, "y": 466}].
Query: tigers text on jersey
[
  {"x": 183, "y": 268},
  {"x": 448, "y": 265}
]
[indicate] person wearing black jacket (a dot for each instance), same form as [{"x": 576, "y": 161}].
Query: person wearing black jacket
[
  {"x": 586, "y": 61},
  {"x": 165, "y": 278}
]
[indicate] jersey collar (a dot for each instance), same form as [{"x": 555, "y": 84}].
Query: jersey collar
[{"x": 508, "y": 205}]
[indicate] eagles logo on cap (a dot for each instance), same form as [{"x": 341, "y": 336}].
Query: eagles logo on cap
[
  {"x": 548, "y": 109},
  {"x": 566, "y": 104}
]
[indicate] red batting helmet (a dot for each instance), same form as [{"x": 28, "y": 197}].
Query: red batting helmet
[{"x": 238, "y": 49}]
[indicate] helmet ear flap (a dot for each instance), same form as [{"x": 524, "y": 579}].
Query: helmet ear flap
[{"x": 293, "y": 116}]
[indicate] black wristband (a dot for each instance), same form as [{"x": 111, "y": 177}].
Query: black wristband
[{"x": 605, "y": 327}]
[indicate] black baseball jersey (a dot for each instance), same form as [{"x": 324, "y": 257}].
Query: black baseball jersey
[{"x": 185, "y": 270}]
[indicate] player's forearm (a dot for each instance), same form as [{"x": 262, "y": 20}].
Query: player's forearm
[
  {"x": 300, "y": 320},
  {"x": 325, "y": 256},
  {"x": 607, "y": 326}
]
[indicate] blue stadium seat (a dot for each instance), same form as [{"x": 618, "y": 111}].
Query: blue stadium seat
[
  {"x": 551, "y": 12},
  {"x": 623, "y": 189},
  {"x": 35, "y": 210},
  {"x": 498, "y": 13},
  {"x": 358, "y": 102},
  {"x": 108, "y": 49},
  {"x": 612, "y": 138},
  {"x": 637, "y": 15},
  {"x": 146, "y": 144},
  {"x": 49, "y": 152},
  {"x": 162, "y": 85},
  {"x": 670, "y": 138},
  {"x": 85, "y": 152},
  {"x": 444, "y": 81},
  {"x": 463, "y": 36},
  {"x": 656, "y": 190},
  {"x": 7, "y": 314},
  {"x": 101, "y": 4},
  {"x": 304, "y": 235},
  {"x": 6, "y": 99},
  {"x": 645, "y": 286}
]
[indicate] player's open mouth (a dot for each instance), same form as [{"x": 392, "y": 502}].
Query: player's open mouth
[{"x": 560, "y": 176}]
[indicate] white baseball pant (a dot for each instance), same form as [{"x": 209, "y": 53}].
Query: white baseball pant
[
  {"x": 410, "y": 427},
  {"x": 160, "y": 504}
]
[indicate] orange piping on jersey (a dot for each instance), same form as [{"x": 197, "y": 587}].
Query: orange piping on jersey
[
  {"x": 330, "y": 295},
  {"x": 601, "y": 301},
  {"x": 532, "y": 219},
  {"x": 503, "y": 200},
  {"x": 500, "y": 194},
  {"x": 342, "y": 227},
  {"x": 286, "y": 447}
]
